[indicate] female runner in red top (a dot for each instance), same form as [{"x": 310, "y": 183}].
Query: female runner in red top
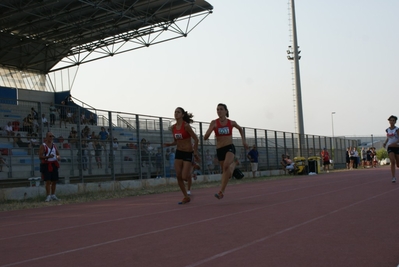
[
  {"x": 182, "y": 135},
  {"x": 224, "y": 144}
]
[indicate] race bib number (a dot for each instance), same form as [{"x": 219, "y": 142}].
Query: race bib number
[
  {"x": 178, "y": 136},
  {"x": 224, "y": 131}
]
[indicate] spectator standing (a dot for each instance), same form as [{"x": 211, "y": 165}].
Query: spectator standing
[
  {"x": 34, "y": 113},
  {"x": 375, "y": 160},
  {"x": 44, "y": 121},
  {"x": 115, "y": 146},
  {"x": 253, "y": 156},
  {"x": 27, "y": 124},
  {"x": 364, "y": 156},
  {"x": 392, "y": 145},
  {"x": 73, "y": 137},
  {"x": 223, "y": 129},
  {"x": 82, "y": 157},
  {"x": 355, "y": 158},
  {"x": 63, "y": 113},
  {"x": 92, "y": 120},
  {"x": 185, "y": 151},
  {"x": 49, "y": 157},
  {"x": 53, "y": 111},
  {"x": 369, "y": 157},
  {"x": 351, "y": 158},
  {"x": 347, "y": 158},
  {"x": 103, "y": 134},
  {"x": 172, "y": 161},
  {"x": 98, "y": 151},
  {"x": 2, "y": 163},
  {"x": 326, "y": 160},
  {"x": 144, "y": 152},
  {"x": 9, "y": 130},
  {"x": 209, "y": 161},
  {"x": 158, "y": 162}
]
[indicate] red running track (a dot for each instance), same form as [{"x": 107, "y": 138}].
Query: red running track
[{"x": 337, "y": 219}]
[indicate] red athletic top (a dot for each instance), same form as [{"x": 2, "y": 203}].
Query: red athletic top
[
  {"x": 223, "y": 130},
  {"x": 182, "y": 133}
]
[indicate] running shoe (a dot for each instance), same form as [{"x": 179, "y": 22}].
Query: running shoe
[
  {"x": 48, "y": 198},
  {"x": 393, "y": 180},
  {"x": 184, "y": 201},
  {"x": 219, "y": 195},
  {"x": 53, "y": 197}
]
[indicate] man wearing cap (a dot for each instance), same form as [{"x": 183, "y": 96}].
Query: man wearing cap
[{"x": 326, "y": 159}]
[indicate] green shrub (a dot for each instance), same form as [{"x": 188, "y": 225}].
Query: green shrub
[{"x": 382, "y": 154}]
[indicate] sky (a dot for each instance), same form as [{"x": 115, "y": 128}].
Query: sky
[{"x": 237, "y": 56}]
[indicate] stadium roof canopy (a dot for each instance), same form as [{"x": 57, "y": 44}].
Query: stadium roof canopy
[{"x": 49, "y": 35}]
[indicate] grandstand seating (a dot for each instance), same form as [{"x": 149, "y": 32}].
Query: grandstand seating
[{"x": 25, "y": 163}]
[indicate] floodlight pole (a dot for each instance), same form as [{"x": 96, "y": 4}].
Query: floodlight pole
[{"x": 295, "y": 52}]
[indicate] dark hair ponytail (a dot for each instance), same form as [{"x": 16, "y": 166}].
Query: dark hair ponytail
[
  {"x": 225, "y": 107},
  {"x": 187, "y": 117}
]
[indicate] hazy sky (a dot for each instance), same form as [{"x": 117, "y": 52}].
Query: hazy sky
[{"x": 237, "y": 56}]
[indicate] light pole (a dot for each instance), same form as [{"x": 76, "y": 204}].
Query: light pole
[{"x": 332, "y": 129}]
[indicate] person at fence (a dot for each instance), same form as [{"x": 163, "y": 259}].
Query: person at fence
[
  {"x": 183, "y": 135},
  {"x": 63, "y": 113},
  {"x": 209, "y": 162},
  {"x": 103, "y": 134},
  {"x": 145, "y": 155},
  {"x": 347, "y": 157},
  {"x": 98, "y": 151},
  {"x": 85, "y": 133},
  {"x": 356, "y": 158},
  {"x": 283, "y": 162},
  {"x": 82, "y": 155},
  {"x": 73, "y": 137},
  {"x": 18, "y": 141},
  {"x": 369, "y": 157},
  {"x": 351, "y": 158},
  {"x": 92, "y": 119},
  {"x": 253, "y": 156},
  {"x": 34, "y": 142},
  {"x": 44, "y": 121},
  {"x": 375, "y": 159},
  {"x": 392, "y": 145},
  {"x": 290, "y": 165},
  {"x": 363, "y": 156},
  {"x": 83, "y": 119},
  {"x": 9, "y": 130},
  {"x": 158, "y": 163},
  {"x": 172, "y": 162},
  {"x": 49, "y": 157},
  {"x": 2, "y": 163},
  {"x": 34, "y": 113},
  {"x": 223, "y": 129},
  {"x": 70, "y": 116},
  {"x": 115, "y": 145},
  {"x": 53, "y": 111},
  {"x": 326, "y": 159},
  {"x": 27, "y": 124}
]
